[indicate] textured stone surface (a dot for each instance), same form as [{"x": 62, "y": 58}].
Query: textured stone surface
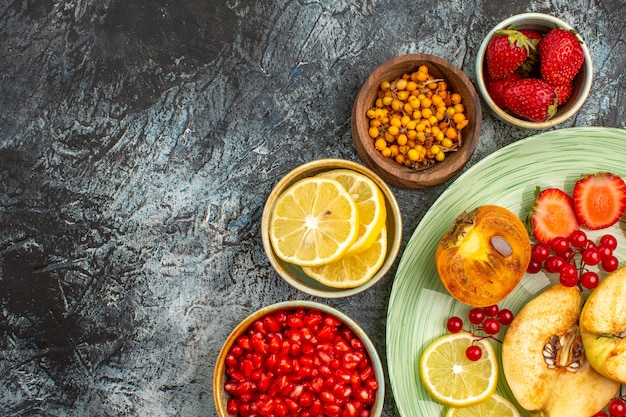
[{"x": 138, "y": 142}]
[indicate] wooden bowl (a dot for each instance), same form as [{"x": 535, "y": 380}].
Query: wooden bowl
[
  {"x": 582, "y": 82},
  {"x": 388, "y": 168},
  {"x": 221, "y": 397},
  {"x": 293, "y": 274}
]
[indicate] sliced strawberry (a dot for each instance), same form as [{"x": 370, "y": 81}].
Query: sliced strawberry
[
  {"x": 552, "y": 215},
  {"x": 599, "y": 200}
]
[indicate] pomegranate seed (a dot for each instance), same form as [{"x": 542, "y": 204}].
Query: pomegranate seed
[
  {"x": 350, "y": 410},
  {"x": 244, "y": 343},
  {"x": 343, "y": 375},
  {"x": 342, "y": 346},
  {"x": 316, "y": 408},
  {"x": 295, "y": 322},
  {"x": 271, "y": 325},
  {"x": 264, "y": 383},
  {"x": 231, "y": 360},
  {"x": 305, "y": 399},
  {"x": 292, "y": 405},
  {"x": 317, "y": 384},
  {"x": 332, "y": 409},
  {"x": 357, "y": 344},
  {"x": 296, "y": 392},
  {"x": 371, "y": 383},
  {"x": 232, "y": 406},
  {"x": 326, "y": 333}
]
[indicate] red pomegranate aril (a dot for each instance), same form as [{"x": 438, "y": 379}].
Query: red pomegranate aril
[
  {"x": 259, "y": 327},
  {"x": 271, "y": 362},
  {"x": 230, "y": 387},
  {"x": 364, "y": 395},
  {"x": 275, "y": 343},
  {"x": 295, "y": 322},
  {"x": 264, "y": 383},
  {"x": 231, "y": 360},
  {"x": 365, "y": 413},
  {"x": 316, "y": 408},
  {"x": 332, "y": 321},
  {"x": 280, "y": 409},
  {"x": 237, "y": 376},
  {"x": 312, "y": 319},
  {"x": 332, "y": 409},
  {"x": 296, "y": 392},
  {"x": 285, "y": 348},
  {"x": 356, "y": 344},
  {"x": 326, "y": 333},
  {"x": 342, "y": 346},
  {"x": 343, "y": 375},
  {"x": 327, "y": 397},
  {"x": 325, "y": 357},
  {"x": 244, "y": 342},
  {"x": 335, "y": 364},
  {"x": 371, "y": 383},
  {"x": 325, "y": 371},
  {"x": 367, "y": 372},
  {"x": 308, "y": 349},
  {"x": 236, "y": 351},
  {"x": 350, "y": 410},
  {"x": 292, "y": 405},
  {"x": 305, "y": 399},
  {"x": 317, "y": 385},
  {"x": 342, "y": 391},
  {"x": 271, "y": 325},
  {"x": 247, "y": 367},
  {"x": 245, "y": 410},
  {"x": 330, "y": 382},
  {"x": 267, "y": 406},
  {"x": 232, "y": 406},
  {"x": 256, "y": 375}
]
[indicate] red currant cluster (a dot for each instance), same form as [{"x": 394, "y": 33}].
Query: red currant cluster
[
  {"x": 486, "y": 319},
  {"x": 616, "y": 408},
  {"x": 571, "y": 257}
]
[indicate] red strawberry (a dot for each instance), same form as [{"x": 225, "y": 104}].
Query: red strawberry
[
  {"x": 552, "y": 215},
  {"x": 561, "y": 56},
  {"x": 496, "y": 88},
  {"x": 531, "y": 98},
  {"x": 599, "y": 200},
  {"x": 506, "y": 51},
  {"x": 563, "y": 92},
  {"x": 530, "y": 67}
]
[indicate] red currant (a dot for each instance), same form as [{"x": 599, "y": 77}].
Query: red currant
[
  {"x": 505, "y": 316},
  {"x": 589, "y": 280},
  {"x": 491, "y": 310},
  {"x": 605, "y": 252},
  {"x": 476, "y": 315},
  {"x": 617, "y": 408},
  {"x": 578, "y": 238},
  {"x": 553, "y": 263},
  {"x": 491, "y": 326},
  {"x": 454, "y": 324},
  {"x": 568, "y": 275},
  {"x": 473, "y": 353},
  {"x": 534, "y": 266},
  {"x": 610, "y": 264},
  {"x": 559, "y": 245},
  {"x": 539, "y": 252},
  {"x": 591, "y": 256},
  {"x": 609, "y": 241}
]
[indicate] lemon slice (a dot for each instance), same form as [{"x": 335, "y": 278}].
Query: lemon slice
[
  {"x": 494, "y": 406},
  {"x": 370, "y": 203},
  {"x": 454, "y": 380},
  {"x": 313, "y": 222},
  {"x": 352, "y": 270}
]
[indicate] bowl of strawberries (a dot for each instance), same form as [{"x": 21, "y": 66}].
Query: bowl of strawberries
[{"x": 534, "y": 71}]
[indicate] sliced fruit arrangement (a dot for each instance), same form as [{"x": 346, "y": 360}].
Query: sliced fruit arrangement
[
  {"x": 558, "y": 222},
  {"x": 546, "y": 66},
  {"x": 333, "y": 226}
]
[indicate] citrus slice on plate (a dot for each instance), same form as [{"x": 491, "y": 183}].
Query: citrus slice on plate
[
  {"x": 494, "y": 406},
  {"x": 313, "y": 222},
  {"x": 370, "y": 203},
  {"x": 350, "y": 271},
  {"x": 451, "y": 378}
]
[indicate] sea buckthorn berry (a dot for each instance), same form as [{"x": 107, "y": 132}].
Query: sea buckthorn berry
[{"x": 418, "y": 112}]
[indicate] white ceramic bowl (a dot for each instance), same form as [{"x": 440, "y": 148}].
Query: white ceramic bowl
[
  {"x": 582, "y": 83},
  {"x": 219, "y": 377}
]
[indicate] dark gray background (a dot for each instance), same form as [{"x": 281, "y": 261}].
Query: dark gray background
[{"x": 138, "y": 142}]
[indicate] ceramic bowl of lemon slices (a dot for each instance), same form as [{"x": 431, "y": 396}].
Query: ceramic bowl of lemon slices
[{"x": 331, "y": 228}]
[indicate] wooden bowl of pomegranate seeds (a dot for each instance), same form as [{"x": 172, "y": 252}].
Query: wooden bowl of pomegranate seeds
[{"x": 297, "y": 356}]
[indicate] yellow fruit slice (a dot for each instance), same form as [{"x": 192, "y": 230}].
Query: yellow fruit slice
[
  {"x": 454, "y": 380},
  {"x": 370, "y": 203},
  {"x": 494, "y": 406},
  {"x": 313, "y": 222},
  {"x": 352, "y": 270}
]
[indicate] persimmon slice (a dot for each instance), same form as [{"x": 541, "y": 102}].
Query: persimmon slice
[{"x": 483, "y": 256}]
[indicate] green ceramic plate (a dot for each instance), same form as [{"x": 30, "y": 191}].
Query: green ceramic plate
[{"x": 419, "y": 304}]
